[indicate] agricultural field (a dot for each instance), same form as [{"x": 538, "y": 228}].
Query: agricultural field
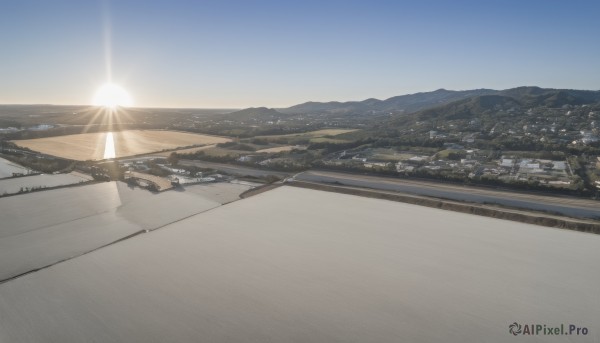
[
  {"x": 41, "y": 228},
  {"x": 327, "y": 140},
  {"x": 7, "y": 168},
  {"x": 186, "y": 151},
  {"x": 33, "y": 182},
  {"x": 222, "y": 192},
  {"x": 383, "y": 154},
  {"x": 354, "y": 270},
  {"x": 220, "y": 152},
  {"x": 312, "y": 136},
  {"x": 91, "y": 146},
  {"x": 391, "y": 155},
  {"x": 281, "y": 149}
]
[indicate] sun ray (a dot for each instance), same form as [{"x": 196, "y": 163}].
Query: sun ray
[
  {"x": 109, "y": 146},
  {"x": 107, "y": 40},
  {"x": 91, "y": 123},
  {"x": 112, "y": 96}
]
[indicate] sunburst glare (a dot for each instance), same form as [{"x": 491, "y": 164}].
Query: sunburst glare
[
  {"x": 109, "y": 146},
  {"x": 112, "y": 96}
]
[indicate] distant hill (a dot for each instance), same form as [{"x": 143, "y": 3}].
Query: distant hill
[
  {"x": 332, "y": 107},
  {"x": 403, "y": 103},
  {"x": 253, "y": 113},
  {"x": 470, "y": 107},
  {"x": 524, "y": 96},
  {"x": 419, "y": 101},
  {"x": 535, "y": 96},
  {"x": 498, "y": 104}
]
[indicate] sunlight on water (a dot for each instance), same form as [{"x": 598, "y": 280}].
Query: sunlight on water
[{"x": 109, "y": 147}]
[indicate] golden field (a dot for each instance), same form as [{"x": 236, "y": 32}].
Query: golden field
[
  {"x": 281, "y": 149},
  {"x": 90, "y": 146}
]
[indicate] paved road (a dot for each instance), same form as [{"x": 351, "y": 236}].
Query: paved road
[
  {"x": 573, "y": 207},
  {"x": 233, "y": 169}
]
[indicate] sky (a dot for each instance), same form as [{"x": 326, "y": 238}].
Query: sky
[{"x": 235, "y": 54}]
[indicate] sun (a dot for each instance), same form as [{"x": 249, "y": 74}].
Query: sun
[{"x": 112, "y": 96}]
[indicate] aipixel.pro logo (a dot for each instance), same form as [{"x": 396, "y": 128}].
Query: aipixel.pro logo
[{"x": 516, "y": 329}]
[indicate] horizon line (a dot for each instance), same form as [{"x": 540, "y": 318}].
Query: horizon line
[{"x": 298, "y": 103}]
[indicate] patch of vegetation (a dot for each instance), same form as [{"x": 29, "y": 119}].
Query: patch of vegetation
[{"x": 236, "y": 146}]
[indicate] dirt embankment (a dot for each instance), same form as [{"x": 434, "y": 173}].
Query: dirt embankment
[
  {"x": 528, "y": 217},
  {"x": 259, "y": 189}
]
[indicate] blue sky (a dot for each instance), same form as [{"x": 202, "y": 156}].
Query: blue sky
[{"x": 278, "y": 53}]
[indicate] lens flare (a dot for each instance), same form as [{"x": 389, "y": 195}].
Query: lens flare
[
  {"x": 109, "y": 146},
  {"x": 112, "y": 96}
]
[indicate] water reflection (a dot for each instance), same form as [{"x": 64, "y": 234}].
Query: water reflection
[{"x": 109, "y": 146}]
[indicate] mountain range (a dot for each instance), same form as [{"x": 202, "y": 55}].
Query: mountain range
[
  {"x": 402, "y": 103},
  {"x": 440, "y": 102}
]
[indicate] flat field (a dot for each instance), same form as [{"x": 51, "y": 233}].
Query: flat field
[
  {"x": 41, "y": 228},
  {"x": 354, "y": 270},
  {"x": 90, "y": 146},
  {"x": 187, "y": 151},
  {"x": 309, "y": 135},
  {"x": 281, "y": 149},
  {"x": 14, "y": 185},
  {"x": 7, "y": 168},
  {"x": 384, "y": 154}
]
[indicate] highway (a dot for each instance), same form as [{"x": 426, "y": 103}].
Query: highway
[{"x": 568, "y": 206}]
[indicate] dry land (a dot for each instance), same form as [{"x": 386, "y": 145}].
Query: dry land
[
  {"x": 310, "y": 134},
  {"x": 186, "y": 151},
  {"x": 281, "y": 149},
  {"x": 7, "y": 168},
  {"x": 233, "y": 169},
  {"x": 42, "y": 228},
  {"x": 36, "y": 182},
  {"x": 355, "y": 270},
  {"x": 90, "y": 146},
  {"x": 383, "y": 154},
  {"x": 222, "y": 192}
]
